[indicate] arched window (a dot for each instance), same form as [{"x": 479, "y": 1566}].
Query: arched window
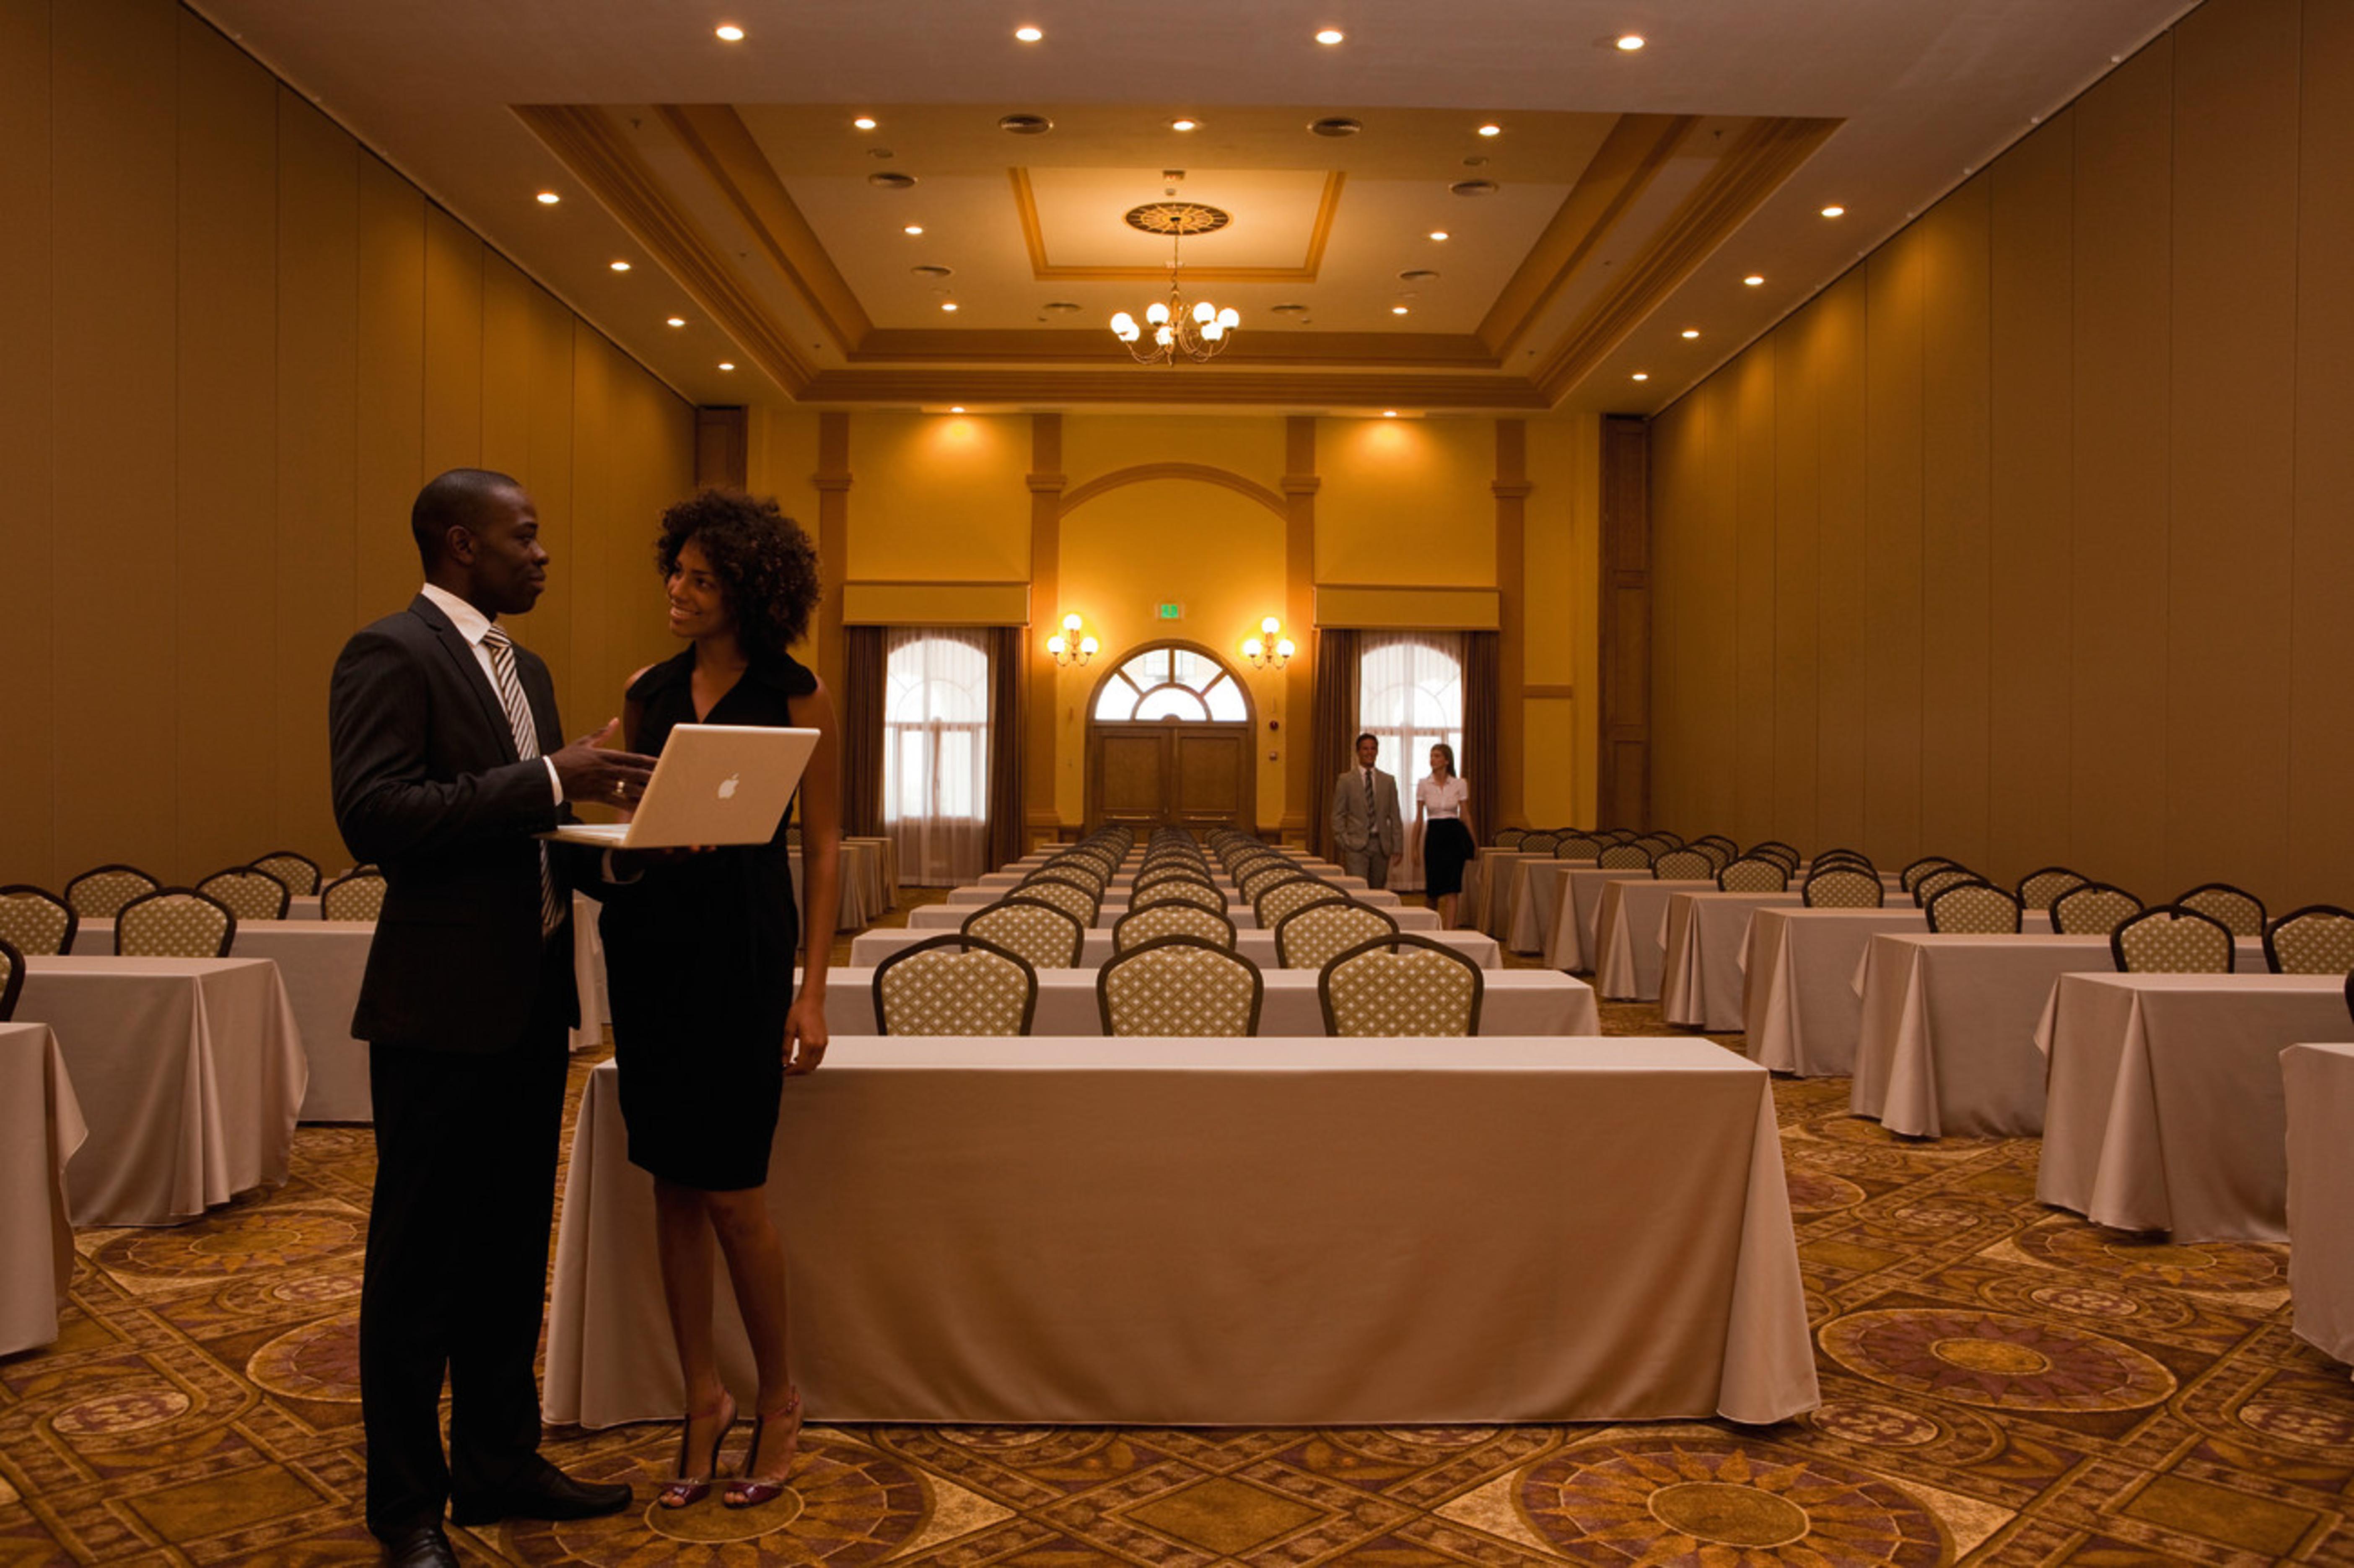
[
  {"x": 1409, "y": 695},
  {"x": 1172, "y": 682},
  {"x": 936, "y": 752}
]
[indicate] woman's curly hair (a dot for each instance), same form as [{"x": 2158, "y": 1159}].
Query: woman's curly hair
[{"x": 765, "y": 565}]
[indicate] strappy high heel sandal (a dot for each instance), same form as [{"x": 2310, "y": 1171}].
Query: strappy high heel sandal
[
  {"x": 687, "y": 1489},
  {"x": 751, "y": 1491}
]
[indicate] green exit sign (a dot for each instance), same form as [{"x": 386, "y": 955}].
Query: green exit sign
[{"x": 1172, "y": 612}]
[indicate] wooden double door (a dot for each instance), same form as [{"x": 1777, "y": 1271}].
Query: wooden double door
[{"x": 1182, "y": 773}]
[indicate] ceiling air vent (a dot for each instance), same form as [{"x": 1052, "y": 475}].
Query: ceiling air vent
[
  {"x": 929, "y": 271},
  {"x": 1337, "y": 125},
  {"x": 1473, "y": 187},
  {"x": 1418, "y": 275},
  {"x": 891, "y": 180},
  {"x": 1025, "y": 124}
]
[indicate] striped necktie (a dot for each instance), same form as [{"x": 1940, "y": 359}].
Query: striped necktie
[
  {"x": 526, "y": 742},
  {"x": 1369, "y": 798}
]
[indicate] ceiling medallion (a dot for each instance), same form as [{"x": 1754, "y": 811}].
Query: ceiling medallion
[{"x": 1197, "y": 333}]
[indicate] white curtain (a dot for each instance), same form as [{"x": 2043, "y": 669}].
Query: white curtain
[
  {"x": 1410, "y": 696},
  {"x": 936, "y": 753}
]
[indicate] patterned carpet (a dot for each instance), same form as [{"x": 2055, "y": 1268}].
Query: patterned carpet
[{"x": 2001, "y": 1384}]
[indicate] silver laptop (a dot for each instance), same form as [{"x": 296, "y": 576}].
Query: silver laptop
[{"x": 713, "y": 784}]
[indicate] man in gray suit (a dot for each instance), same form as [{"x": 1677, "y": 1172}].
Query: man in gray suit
[{"x": 1365, "y": 820}]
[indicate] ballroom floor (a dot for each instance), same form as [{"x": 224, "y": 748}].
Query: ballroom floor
[{"x": 2001, "y": 1384}]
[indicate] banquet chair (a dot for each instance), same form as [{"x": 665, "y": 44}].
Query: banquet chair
[
  {"x": 1826, "y": 859},
  {"x": 175, "y": 922},
  {"x": 298, "y": 871},
  {"x": 2093, "y": 909},
  {"x": 955, "y": 984},
  {"x": 1401, "y": 986},
  {"x": 1731, "y": 850},
  {"x": 1615, "y": 835},
  {"x": 100, "y": 892},
  {"x": 2318, "y": 939},
  {"x": 1049, "y": 937},
  {"x": 1921, "y": 868},
  {"x": 1147, "y": 922},
  {"x": 1973, "y": 908},
  {"x": 1088, "y": 873},
  {"x": 2037, "y": 889},
  {"x": 2168, "y": 939},
  {"x": 1752, "y": 873},
  {"x": 12, "y": 979},
  {"x": 2241, "y": 914},
  {"x": 1842, "y": 887},
  {"x": 1259, "y": 878},
  {"x": 1179, "y": 890},
  {"x": 1539, "y": 843},
  {"x": 1179, "y": 988},
  {"x": 1625, "y": 857},
  {"x": 1683, "y": 864},
  {"x": 1719, "y": 857},
  {"x": 1509, "y": 838},
  {"x": 354, "y": 896},
  {"x": 1160, "y": 874},
  {"x": 1280, "y": 899},
  {"x": 1937, "y": 881},
  {"x": 250, "y": 894},
  {"x": 793, "y": 836},
  {"x": 1775, "y": 849},
  {"x": 1661, "y": 843},
  {"x": 1311, "y": 935},
  {"x": 1071, "y": 898},
  {"x": 36, "y": 920},
  {"x": 1580, "y": 847}
]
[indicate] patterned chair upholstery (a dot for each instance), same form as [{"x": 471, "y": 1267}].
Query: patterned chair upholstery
[
  {"x": 1401, "y": 986},
  {"x": 1242, "y": 865},
  {"x": 1919, "y": 868},
  {"x": 1973, "y": 908},
  {"x": 955, "y": 984},
  {"x": 1180, "y": 891},
  {"x": 1659, "y": 844},
  {"x": 1259, "y": 878},
  {"x": 1069, "y": 897},
  {"x": 1180, "y": 988},
  {"x": 1842, "y": 887},
  {"x": 1832, "y": 857},
  {"x": 12, "y": 979},
  {"x": 2037, "y": 889},
  {"x": 2170, "y": 939},
  {"x": 1192, "y": 870},
  {"x": 1625, "y": 857},
  {"x": 2241, "y": 914},
  {"x": 2095, "y": 909},
  {"x": 1579, "y": 847},
  {"x": 1539, "y": 843},
  {"x": 1775, "y": 849},
  {"x": 1719, "y": 857},
  {"x": 250, "y": 894},
  {"x": 175, "y": 922},
  {"x": 37, "y": 921},
  {"x": 100, "y": 894},
  {"x": 1937, "y": 881},
  {"x": 2318, "y": 939},
  {"x": 1731, "y": 850},
  {"x": 1509, "y": 838},
  {"x": 1753, "y": 873},
  {"x": 1274, "y": 903},
  {"x": 1087, "y": 874},
  {"x": 1049, "y": 937},
  {"x": 1615, "y": 835},
  {"x": 298, "y": 871},
  {"x": 1683, "y": 864},
  {"x": 1314, "y": 933},
  {"x": 356, "y": 895},
  {"x": 1147, "y": 922}
]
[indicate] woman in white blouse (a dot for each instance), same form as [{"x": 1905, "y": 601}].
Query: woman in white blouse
[{"x": 1439, "y": 803}]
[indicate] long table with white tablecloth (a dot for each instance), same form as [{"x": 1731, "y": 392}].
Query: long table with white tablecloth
[
  {"x": 2318, "y": 1080},
  {"x": 1700, "y": 973},
  {"x": 1261, "y": 1232},
  {"x": 869, "y": 948},
  {"x": 40, "y": 1127},
  {"x": 1799, "y": 1007}
]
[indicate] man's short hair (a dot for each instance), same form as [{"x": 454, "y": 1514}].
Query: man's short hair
[
  {"x": 458, "y": 498},
  {"x": 1369, "y": 735}
]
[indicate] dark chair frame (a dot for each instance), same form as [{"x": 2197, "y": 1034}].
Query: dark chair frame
[
  {"x": 1178, "y": 939},
  {"x": 1078, "y": 944},
  {"x": 73, "y": 918},
  {"x": 1841, "y": 868},
  {"x": 962, "y": 942},
  {"x": 2019, "y": 888},
  {"x": 1393, "y": 943},
  {"x": 2018, "y": 910},
  {"x": 357, "y": 873},
  {"x": 285, "y": 893},
  {"x": 1921, "y": 868},
  {"x": 2052, "y": 909},
  {"x": 1961, "y": 874},
  {"x": 14, "y": 984},
  {"x": 317, "y": 880},
  {"x": 1727, "y": 869},
  {"x": 2117, "y": 943},
  {"x": 1283, "y": 958},
  {"x": 1234, "y": 945},
  {"x": 2271, "y": 956},
  {"x": 154, "y": 884},
  {"x": 1683, "y": 849},
  {"x": 228, "y": 933},
  {"x": 2263, "y": 916}
]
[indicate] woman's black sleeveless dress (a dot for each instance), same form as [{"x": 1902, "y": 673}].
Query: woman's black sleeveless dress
[{"x": 699, "y": 956}]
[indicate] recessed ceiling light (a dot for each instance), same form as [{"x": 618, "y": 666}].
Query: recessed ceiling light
[
  {"x": 1331, "y": 35},
  {"x": 1642, "y": 376},
  {"x": 676, "y": 320},
  {"x": 1630, "y": 42},
  {"x": 956, "y": 408},
  {"x": 730, "y": 33},
  {"x": 1397, "y": 310},
  {"x": 1753, "y": 279},
  {"x": 726, "y": 364},
  {"x": 1028, "y": 34},
  {"x": 1438, "y": 234},
  {"x": 948, "y": 305},
  {"x": 913, "y": 228},
  {"x": 1389, "y": 413},
  {"x": 548, "y": 198},
  {"x": 1691, "y": 332},
  {"x": 1491, "y": 129},
  {"x": 865, "y": 123},
  {"x": 1181, "y": 124},
  {"x": 1834, "y": 211},
  {"x": 621, "y": 266}
]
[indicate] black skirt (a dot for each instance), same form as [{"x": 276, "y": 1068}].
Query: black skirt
[{"x": 1445, "y": 851}]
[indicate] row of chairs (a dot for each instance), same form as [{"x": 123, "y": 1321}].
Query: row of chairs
[{"x": 146, "y": 912}]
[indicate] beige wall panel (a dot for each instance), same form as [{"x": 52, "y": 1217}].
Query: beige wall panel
[
  {"x": 546, "y": 470},
  {"x": 224, "y": 607},
  {"x": 2233, "y": 432},
  {"x": 1797, "y": 508},
  {"x": 2033, "y": 437},
  {"x": 657, "y": 450},
  {"x": 27, "y": 524},
  {"x": 453, "y": 344},
  {"x": 506, "y": 367},
  {"x": 1752, "y": 600},
  {"x": 1407, "y": 501},
  {"x": 590, "y": 675},
  {"x": 1674, "y": 464},
  {"x": 1893, "y": 598},
  {"x": 1097, "y": 444},
  {"x": 2321, "y": 758},
  {"x": 316, "y": 343},
  {"x": 939, "y": 496},
  {"x": 1712, "y": 607},
  {"x": 1834, "y": 346},
  {"x": 1561, "y": 549},
  {"x": 1549, "y": 753},
  {"x": 391, "y": 382},
  {"x": 114, "y": 76},
  {"x": 1954, "y": 776},
  {"x": 2121, "y": 339}
]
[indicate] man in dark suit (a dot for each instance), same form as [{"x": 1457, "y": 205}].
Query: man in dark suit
[
  {"x": 1365, "y": 821},
  {"x": 447, "y": 759}
]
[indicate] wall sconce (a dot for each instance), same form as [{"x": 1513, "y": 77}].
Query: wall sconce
[
  {"x": 1069, "y": 647},
  {"x": 1270, "y": 649}
]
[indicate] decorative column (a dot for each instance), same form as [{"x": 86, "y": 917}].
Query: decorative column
[
  {"x": 1625, "y": 774},
  {"x": 1511, "y": 489},
  {"x": 832, "y": 484},
  {"x": 1299, "y": 486},
  {"x": 1041, "y": 676}
]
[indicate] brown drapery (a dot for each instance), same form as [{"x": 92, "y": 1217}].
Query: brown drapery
[
  {"x": 1482, "y": 657},
  {"x": 1007, "y": 726},
  {"x": 1335, "y": 732},
  {"x": 862, "y": 731}
]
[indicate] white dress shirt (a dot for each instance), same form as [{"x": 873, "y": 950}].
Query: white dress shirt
[{"x": 472, "y": 625}]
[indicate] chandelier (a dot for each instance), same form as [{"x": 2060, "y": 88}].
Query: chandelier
[{"x": 1172, "y": 328}]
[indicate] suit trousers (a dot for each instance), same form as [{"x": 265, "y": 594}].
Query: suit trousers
[
  {"x": 456, "y": 1257},
  {"x": 1369, "y": 863}
]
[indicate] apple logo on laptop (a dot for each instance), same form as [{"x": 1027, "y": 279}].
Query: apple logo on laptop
[{"x": 727, "y": 786}]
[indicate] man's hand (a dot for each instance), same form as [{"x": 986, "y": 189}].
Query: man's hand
[{"x": 588, "y": 772}]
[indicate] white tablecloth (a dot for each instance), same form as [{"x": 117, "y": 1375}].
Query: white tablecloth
[
  {"x": 1630, "y": 933},
  {"x": 1260, "y": 1233},
  {"x": 1700, "y": 975},
  {"x": 1497, "y": 883},
  {"x": 1799, "y": 1004},
  {"x": 2166, "y": 1109},
  {"x": 876, "y": 863},
  {"x": 1535, "y": 907},
  {"x": 2319, "y": 1081},
  {"x": 1577, "y": 909},
  {"x": 869, "y": 948},
  {"x": 860, "y": 868},
  {"x": 40, "y": 1127},
  {"x": 189, "y": 1072}
]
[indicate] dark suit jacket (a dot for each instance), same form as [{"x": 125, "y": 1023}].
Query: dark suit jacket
[{"x": 427, "y": 785}]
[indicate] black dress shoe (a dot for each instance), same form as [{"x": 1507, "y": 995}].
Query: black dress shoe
[
  {"x": 423, "y": 1547},
  {"x": 542, "y": 1491}
]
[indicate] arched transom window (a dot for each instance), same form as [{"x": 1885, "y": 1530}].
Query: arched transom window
[{"x": 1171, "y": 684}]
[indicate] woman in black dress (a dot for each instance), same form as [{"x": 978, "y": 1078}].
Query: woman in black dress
[
  {"x": 1441, "y": 809},
  {"x": 699, "y": 953}
]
